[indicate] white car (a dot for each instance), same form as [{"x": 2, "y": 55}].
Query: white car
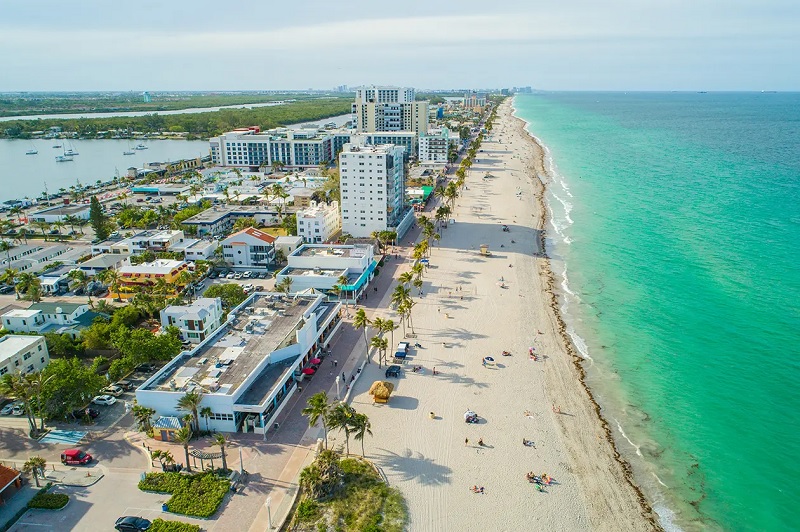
[
  {"x": 114, "y": 390},
  {"x": 230, "y": 275},
  {"x": 17, "y": 410},
  {"x": 7, "y": 409},
  {"x": 237, "y": 275},
  {"x": 104, "y": 400},
  {"x": 247, "y": 274},
  {"x": 249, "y": 287}
]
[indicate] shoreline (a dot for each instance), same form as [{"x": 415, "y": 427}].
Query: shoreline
[
  {"x": 539, "y": 170},
  {"x": 473, "y": 305}
]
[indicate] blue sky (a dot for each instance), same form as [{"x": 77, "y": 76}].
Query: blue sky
[{"x": 553, "y": 45}]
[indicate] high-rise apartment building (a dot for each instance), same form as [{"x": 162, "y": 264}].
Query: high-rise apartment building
[
  {"x": 389, "y": 109},
  {"x": 372, "y": 183}
]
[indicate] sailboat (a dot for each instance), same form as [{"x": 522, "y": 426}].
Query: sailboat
[
  {"x": 70, "y": 151},
  {"x": 129, "y": 151},
  {"x": 140, "y": 147},
  {"x": 63, "y": 158},
  {"x": 32, "y": 151}
]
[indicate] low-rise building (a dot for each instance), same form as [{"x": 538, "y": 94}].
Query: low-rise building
[
  {"x": 287, "y": 244},
  {"x": 196, "y": 249},
  {"x": 249, "y": 368},
  {"x": 320, "y": 267},
  {"x": 103, "y": 262},
  {"x": 58, "y": 317},
  {"x": 319, "y": 222},
  {"x": 249, "y": 248},
  {"x": 219, "y": 220},
  {"x": 23, "y": 354},
  {"x": 148, "y": 274},
  {"x": 60, "y": 213},
  {"x": 195, "y": 321},
  {"x": 150, "y": 240},
  {"x": 55, "y": 281}
]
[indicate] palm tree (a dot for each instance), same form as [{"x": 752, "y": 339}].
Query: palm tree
[
  {"x": 35, "y": 465},
  {"x": 15, "y": 385},
  {"x": 418, "y": 285},
  {"x": 400, "y": 294},
  {"x": 341, "y": 419},
  {"x": 381, "y": 344},
  {"x": 318, "y": 409},
  {"x": 389, "y": 326},
  {"x": 43, "y": 226},
  {"x": 183, "y": 436},
  {"x": 190, "y": 402},
  {"x": 5, "y": 246},
  {"x": 361, "y": 427},
  {"x": 206, "y": 413},
  {"x": 30, "y": 285},
  {"x": 10, "y": 277},
  {"x": 143, "y": 415},
  {"x": 362, "y": 322},
  {"x": 405, "y": 278},
  {"x": 343, "y": 281},
  {"x": 222, "y": 441},
  {"x": 37, "y": 382},
  {"x": 112, "y": 279},
  {"x": 79, "y": 277}
]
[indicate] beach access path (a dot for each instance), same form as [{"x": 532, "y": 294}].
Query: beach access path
[{"x": 475, "y": 306}]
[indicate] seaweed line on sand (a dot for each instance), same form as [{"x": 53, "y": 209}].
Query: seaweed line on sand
[{"x": 537, "y": 168}]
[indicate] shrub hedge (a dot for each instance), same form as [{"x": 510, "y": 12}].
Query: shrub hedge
[
  {"x": 195, "y": 495},
  {"x": 160, "y": 525},
  {"x": 49, "y": 501}
]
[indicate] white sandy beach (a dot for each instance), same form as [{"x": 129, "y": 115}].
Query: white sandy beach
[{"x": 428, "y": 458}]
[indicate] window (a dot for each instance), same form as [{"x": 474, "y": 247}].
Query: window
[
  {"x": 41, "y": 360},
  {"x": 3, "y": 370},
  {"x": 26, "y": 356}
]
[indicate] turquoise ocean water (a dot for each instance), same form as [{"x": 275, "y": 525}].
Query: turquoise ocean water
[{"x": 675, "y": 235}]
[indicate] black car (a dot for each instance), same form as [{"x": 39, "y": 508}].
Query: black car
[
  {"x": 131, "y": 523},
  {"x": 81, "y": 413},
  {"x": 212, "y": 275},
  {"x": 393, "y": 371},
  {"x": 145, "y": 368},
  {"x": 6, "y": 289}
]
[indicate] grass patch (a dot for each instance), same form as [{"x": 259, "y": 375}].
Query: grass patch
[
  {"x": 160, "y": 525},
  {"x": 362, "y": 503},
  {"x": 194, "y": 495},
  {"x": 48, "y": 501}
]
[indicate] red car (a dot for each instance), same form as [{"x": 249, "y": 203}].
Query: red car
[{"x": 75, "y": 457}]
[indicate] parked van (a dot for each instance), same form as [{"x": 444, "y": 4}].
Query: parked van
[{"x": 75, "y": 457}]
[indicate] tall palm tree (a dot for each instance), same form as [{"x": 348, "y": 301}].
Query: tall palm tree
[
  {"x": 381, "y": 344},
  {"x": 362, "y": 322},
  {"x": 6, "y": 247},
  {"x": 341, "y": 282},
  {"x": 37, "y": 382},
  {"x": 405, "y": 278},
  {"x": 361, "y": 427},
  {"x": 318, "y": 409},
  {"x": 221, "y": 441},
  {"x": 30, "y": 285},
  {"x": 143, "y": 415},
  {"x": 400, "y": 294},
  {"x": 78, "y": 277},
  {"x": 190, "y": 402},
  {"x": 418, "y": 285},
  {"x": 183, "y": 436},
  {"x": 390, "y": 326},
  {"x": 35, "y": 465},
  {"x": 15, "y": 385},
  {"x": 341, "y": 419},
  {"x": 112, "y": 279},
  {"x": 206, "y": 413}
]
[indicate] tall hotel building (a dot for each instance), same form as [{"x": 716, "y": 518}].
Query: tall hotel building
[
  {"x": 372, "y": 183},
  {"x": 389, "y": 109}
]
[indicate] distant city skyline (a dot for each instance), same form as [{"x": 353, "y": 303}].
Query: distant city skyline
[{"x": 583, "y": 45}]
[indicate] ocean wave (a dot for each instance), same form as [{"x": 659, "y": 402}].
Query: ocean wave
[
  {"x": 621, "y": 431},
  {"x": 567, "y": 208}
]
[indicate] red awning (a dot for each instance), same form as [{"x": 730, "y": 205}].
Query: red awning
[
  {"x": 308, "y": 371},
  {"x": 316, "y": 361}
]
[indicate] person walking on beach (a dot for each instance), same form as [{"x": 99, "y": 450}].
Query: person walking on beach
[{"x": 466, "y": 441}]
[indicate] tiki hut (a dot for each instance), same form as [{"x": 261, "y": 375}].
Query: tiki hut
[{"x": 380, "y": 391}]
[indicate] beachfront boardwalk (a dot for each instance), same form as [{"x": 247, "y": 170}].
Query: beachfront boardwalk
[{"x": 475, "y": 306}]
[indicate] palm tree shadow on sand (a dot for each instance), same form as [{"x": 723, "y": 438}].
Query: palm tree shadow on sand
[{"x": 412, "y": 465}]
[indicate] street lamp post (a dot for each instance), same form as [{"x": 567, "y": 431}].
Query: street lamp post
[
  {"x": 337, "y": 387},
  {"x": 269, "y": 512}
]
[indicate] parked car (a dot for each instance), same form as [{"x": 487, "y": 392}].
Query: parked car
[
  {"x": 75, "y": 457},
  {"x": 393, "y": 371},
  {"x": 131, "y": 523},
  {"x": 230, "y": 275},
  {"x": 6, "y": 289},
  {"x": 114, "y": 390},
  {"x": 139, "y": 200},
  {"x": 17, "y": 410},
  {"x": 145, "y": 368},
  {"x": 125, "y": 385},
  {"x": 247, "y": 274},
  {"x": 7, "y": 409},
  {"x": 81, "y": 413},
  {"x": 237, "y": 275},
  {"x": 248, "y": 288},
  {"x": 212, "y": 275},
  {"x": 104, "y": 400}
]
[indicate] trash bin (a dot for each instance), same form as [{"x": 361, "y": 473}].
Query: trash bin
[{"x": 164, "y": 507}]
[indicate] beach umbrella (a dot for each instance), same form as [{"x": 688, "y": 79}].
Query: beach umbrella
[
  {"x": 316, "y": 361},
  {"x": 308, "y": 371},
  {"x": 488, "y": 359}
]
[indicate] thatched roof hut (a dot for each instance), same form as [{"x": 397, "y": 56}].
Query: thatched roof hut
[{"x": 381, "y": 390}]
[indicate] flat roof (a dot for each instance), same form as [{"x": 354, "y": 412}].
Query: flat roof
[
  {"x": 104, "y": 260},
  {"x": 63, "y": 210},
  {"x": 321, "y": 272},
  {"x": 323, "y": 250},
  {"x": 163, "y": 266},
  {"x": 263, "y": 326},
  {"x": 214, "y": 214},
  {"x": 11, "y": 344}
]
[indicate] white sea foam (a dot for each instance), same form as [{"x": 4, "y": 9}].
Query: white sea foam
[
  {"x": 666, "y": 518},
  {"x": 619, "y": 428},
  {"x": 659, "y": 480}
]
